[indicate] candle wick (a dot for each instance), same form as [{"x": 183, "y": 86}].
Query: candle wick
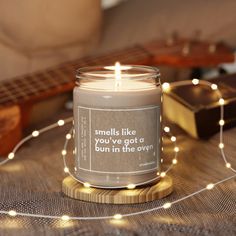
[{"x": 117, "y": 75}]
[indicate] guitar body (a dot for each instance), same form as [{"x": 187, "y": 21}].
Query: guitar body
[{"x": 10, "y": 128}]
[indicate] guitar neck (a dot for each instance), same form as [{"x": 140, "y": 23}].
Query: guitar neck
[{"x": 40, "y": 85}]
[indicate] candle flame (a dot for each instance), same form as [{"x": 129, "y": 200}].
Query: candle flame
[
  {"x": 122, "y": 67},
  {"x": 117, "y": 71},
  {"x": 117, "y": 74}
]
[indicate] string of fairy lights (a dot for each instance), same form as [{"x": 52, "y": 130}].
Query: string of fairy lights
[{"x": 166, "y": 87}]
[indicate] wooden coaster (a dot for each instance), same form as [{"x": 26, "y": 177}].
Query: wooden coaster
[{"x": 76, "y": 190}]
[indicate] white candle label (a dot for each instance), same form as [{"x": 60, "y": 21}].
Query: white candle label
[{"x": 118, "y": 140}]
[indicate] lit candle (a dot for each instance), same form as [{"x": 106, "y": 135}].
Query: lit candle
[{"x": 117, "y": 117}]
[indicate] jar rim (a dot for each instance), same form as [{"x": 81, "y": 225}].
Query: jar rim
[{"x": 136, "y": 72}]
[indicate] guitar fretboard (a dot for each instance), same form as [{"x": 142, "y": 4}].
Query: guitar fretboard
[{"x": 61, "y": 78}]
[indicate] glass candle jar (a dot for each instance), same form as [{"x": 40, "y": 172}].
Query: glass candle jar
[{"x": 117, "y": 122}]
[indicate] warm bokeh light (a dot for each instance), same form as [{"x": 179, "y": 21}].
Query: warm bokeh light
[
  {"x": 63, "y": 152},
  {"x": 166, "y": 87},
  {"x": 35, "y": 133},
  {"x": 117, "y": 216},
  {"x": 221, "y": 122},
  {"x": 87, "y": 185},
  {"x": 61, "y": 122},
  {"x": 167, "y": 205},
  {"x": 195, "y": 81},
  {"x": 221, "y": 101},
  {"x": 210, "y": 186},
  {"x": 131, "y": 186},
  {"x": 11, "y": 155},
  {"x": 214, "y": 86},
  {"x": 65, "y": 217},
  {"x": 12, "y": 213},
  {"x": 163, "y": 174},
  {"x": 166, "y": 129},
  {"x": 221, "y": 145}
]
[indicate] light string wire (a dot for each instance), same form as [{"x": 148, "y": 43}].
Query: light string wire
[{"x": 166, "y": 87}]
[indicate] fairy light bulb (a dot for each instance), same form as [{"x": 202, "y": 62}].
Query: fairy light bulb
[
  {"x": 12, "y": 213},
  {"x": 87, "y": 185},
  {"x": 163, "y": 174},
  {"x": 117, "y": 216},
  {"x": 195, "y": 81},
  {"x": 66, "y": 170},
  {"x": 68, "y": 136},
  {"x": 214, "y": 87},
  {"x": 11, "y": 155},
  {"x": 131, "y": 186},
  {"x": 221, "y": 145},
  {"x": 228, "y": 165},
  {"x": 210, "y": 186},
  {"x": 63, "y": 152},
  {"x": 176, "y": 149},
  {"x": 167, "y": 129},
  {"x": 61, "y": 122},
  {"x": 221, "y": 122},
  {"x": 166, "y": 87},
  {"x": 65, "y": 217},
  {"x": 174, "y": 161},
  {"x": 221, "y": 101},
  {"x": 173, "y": 138},
  {"x": 167, "y": 205},
  {"x": 35, "y": 133}
]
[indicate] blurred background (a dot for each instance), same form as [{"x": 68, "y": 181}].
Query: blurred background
[{"x": 38, "y": 34}]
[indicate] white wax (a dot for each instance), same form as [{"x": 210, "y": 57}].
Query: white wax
[
  {"x": 119, "y": 85},
  {"x": 128, "y": 94}
]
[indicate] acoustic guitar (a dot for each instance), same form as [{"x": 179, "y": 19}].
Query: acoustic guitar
[{"x": 18, "y": 95}]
